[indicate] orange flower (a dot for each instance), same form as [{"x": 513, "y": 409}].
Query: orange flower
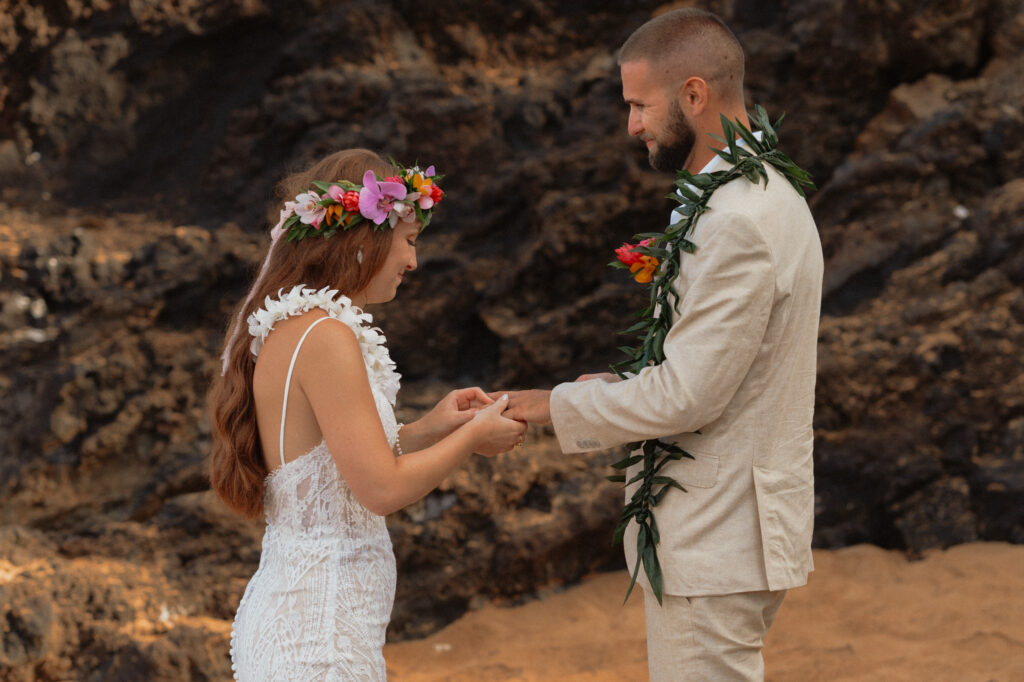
[
  {"x": 422, "y": 184},
  {"x": 644, "y": 269},
  {"x": 333, "y": 214}
]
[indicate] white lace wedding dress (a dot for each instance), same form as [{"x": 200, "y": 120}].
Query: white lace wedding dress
[{"x": 320, "y": 601}]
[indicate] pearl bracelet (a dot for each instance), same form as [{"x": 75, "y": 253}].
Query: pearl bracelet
[{"x": 398, "y": 440}]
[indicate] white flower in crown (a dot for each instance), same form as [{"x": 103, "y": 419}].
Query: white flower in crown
[
  {"x": 309, "y": 210},
  {"x": 403, "y": 211}
]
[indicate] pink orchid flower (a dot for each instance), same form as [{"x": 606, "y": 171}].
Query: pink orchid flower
[{"x": 376, "y": 199}]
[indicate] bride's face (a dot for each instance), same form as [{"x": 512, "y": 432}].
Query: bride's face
[{"x": 401, "y": 259}]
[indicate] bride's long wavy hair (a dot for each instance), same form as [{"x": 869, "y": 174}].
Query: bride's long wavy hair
[{"x": 237, "y": 467}]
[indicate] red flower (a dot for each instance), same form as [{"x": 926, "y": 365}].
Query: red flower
[
  {"x": 350, "y": 200},
  {"x": 628, "y": 256},
  {"x": 393, "y": 178},
  {"x": 436, "y": 193},
  {"x": 625, "y": 254}
]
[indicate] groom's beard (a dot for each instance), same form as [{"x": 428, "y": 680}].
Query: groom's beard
[{"x": 672, "y": 156}]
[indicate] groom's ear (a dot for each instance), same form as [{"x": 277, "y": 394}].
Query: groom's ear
[{"x": 693, "y": 97}]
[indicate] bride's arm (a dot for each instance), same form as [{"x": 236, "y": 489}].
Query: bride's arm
[{"x": 333, "y": 377}]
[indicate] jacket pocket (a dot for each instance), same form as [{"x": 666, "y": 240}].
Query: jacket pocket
[{"x": 699, "y": 472}]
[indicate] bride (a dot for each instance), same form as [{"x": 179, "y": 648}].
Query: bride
[{"x": 304, "y": 429}]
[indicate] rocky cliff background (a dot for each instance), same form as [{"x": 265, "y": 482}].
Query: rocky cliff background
[{"x": 140, "y": 142}]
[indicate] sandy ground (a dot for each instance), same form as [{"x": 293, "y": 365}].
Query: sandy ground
[{"x": 866, "y": 614}]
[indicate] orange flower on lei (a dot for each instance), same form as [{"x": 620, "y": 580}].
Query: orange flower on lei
[{"x": 643, "y": 270}]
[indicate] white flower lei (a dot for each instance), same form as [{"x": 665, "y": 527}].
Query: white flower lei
[{"x": 379, "y": 365}]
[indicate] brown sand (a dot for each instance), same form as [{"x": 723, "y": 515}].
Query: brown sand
[{"x": 866, "y": 614}]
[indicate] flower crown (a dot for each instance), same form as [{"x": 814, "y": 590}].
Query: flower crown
[{"x": 331, "y": 206}]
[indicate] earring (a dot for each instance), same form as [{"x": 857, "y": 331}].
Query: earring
[{"x": 359, "y": 256}]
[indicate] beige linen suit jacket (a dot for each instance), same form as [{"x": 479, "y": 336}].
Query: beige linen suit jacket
[{"x": 736, "y": 390}]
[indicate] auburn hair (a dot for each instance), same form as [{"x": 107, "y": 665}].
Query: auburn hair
[{"x": 237, "y": 467}]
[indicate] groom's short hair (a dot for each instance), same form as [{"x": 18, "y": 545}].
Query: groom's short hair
[{"x": 689, "y": 42}]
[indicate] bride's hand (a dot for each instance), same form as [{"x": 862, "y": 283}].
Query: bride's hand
[
  {"x": 494, "y": 433},
  {"x": 452, "y": 411}
]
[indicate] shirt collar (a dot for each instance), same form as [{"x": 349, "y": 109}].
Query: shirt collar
[
  {"x": 676, "y": 213},
  {"x": 740, "y": 142}
]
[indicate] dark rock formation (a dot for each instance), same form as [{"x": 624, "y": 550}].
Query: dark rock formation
[
  {"x": 921, "y": 377},
  {"x": 139, "y": 147}
]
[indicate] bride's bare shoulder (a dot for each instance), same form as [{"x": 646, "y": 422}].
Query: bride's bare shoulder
[{"x": 332, "y": 339}]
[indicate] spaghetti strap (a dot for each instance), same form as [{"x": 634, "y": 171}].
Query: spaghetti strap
[{"x": 288, "y": 381}]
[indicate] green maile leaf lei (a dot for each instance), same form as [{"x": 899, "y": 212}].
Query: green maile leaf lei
[{"x": 693, "y": 193}]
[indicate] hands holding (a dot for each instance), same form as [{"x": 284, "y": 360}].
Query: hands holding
[
  {"x": 493, "y": 433},
  {"x": 534, "y": 406},
  {"x": 498, "y": 419},
  {"x": 531, "y": 406},
  {"x": 452, "y": 411}
]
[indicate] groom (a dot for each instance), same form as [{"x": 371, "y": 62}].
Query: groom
[{"x": 736, "y": 389}]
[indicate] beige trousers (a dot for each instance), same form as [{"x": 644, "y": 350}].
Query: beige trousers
[{"x": 709, "y": 639}]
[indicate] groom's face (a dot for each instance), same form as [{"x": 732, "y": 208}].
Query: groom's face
[
  {"x": 672, "y": 152},
  {"x": 656, "y": 118}
]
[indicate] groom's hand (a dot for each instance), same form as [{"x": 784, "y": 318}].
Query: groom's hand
[{"x": 533, "y": 407}]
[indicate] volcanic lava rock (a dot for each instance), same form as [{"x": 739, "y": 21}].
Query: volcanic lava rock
[{"x": 139, "y": 148}]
